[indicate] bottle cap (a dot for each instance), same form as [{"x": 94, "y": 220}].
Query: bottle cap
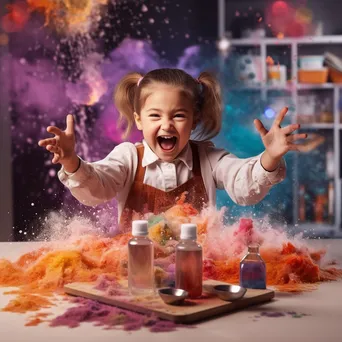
[
  {"x": 188, "y": 231},
  {"x": 139, "y": 228}
]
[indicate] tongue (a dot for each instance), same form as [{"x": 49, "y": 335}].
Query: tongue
[{"x": 167, "y": 144}]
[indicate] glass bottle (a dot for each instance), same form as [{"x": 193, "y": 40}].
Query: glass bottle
[
  {"x": 140, "y": 260},
  {"x": 253, "y": 269},
  {"x": 189, "y": 261}
]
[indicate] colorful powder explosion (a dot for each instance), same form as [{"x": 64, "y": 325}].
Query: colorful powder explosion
[
  {"x": 71, "y": 16},
  {"x": 39, "y": 275}
]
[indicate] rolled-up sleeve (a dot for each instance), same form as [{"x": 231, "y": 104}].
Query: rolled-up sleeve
[
  {"x": 98, "y": 182},
  {"x": 244, "y": 179}
]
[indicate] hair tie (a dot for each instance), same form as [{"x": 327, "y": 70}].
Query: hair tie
[{"x": 139, "y": 81}]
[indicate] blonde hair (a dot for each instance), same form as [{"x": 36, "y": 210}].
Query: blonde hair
[{"x": 205, "y": 92}]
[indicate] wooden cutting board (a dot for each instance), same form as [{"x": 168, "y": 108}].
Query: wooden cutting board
[{"x": 190, "y": 311}]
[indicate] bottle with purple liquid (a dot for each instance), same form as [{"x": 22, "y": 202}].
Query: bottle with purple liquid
[{"x": 253, "y": 270}]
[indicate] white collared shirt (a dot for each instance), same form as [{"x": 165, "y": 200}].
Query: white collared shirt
[{"x": 245, "y": 180}]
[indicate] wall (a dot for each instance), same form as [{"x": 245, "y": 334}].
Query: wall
[{"x": 5, "y": 157}]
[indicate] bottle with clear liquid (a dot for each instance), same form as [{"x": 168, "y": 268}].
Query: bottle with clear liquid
[
  {"x": 189, "y": 262},
  {"x": 140, "y": 261},
  {"x": 253, "y": 270}
]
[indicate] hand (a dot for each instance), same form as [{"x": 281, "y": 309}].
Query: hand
[
  {"x": 278, "y": 140},
  {"x": 62, "y": 145}
]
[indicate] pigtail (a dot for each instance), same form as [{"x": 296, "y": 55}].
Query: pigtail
[
  {"x": 124, "y": 97},
  {"x": 211, "y": 105}
]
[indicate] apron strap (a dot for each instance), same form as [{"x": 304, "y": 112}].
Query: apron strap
[{"x": 140, "y": 172}]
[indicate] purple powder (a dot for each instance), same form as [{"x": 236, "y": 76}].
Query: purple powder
[
  {"x": 294, "y": 314},
  {"x": 103, "y": 282},
  {"x": 113, "y": 291},
  {"x": 110, "y": 317},
  {"x": 272, "y": 314},
  {"x": 109, "y": 285},
  {"x": 132, "y": 326},
  {"x": 163, "y": 326}
]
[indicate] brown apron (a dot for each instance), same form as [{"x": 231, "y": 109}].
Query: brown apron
[{"x": 143, "y": 198}]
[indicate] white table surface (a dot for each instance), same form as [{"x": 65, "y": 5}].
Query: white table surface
[{"x": 324, "y": 323}]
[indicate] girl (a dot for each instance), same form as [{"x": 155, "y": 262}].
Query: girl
[{"x": 169, "y": 106}]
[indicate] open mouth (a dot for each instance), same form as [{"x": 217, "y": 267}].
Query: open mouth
[{"x": 167, "y": 142}]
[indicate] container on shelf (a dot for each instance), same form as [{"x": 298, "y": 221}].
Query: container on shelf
[
  {"x": 248, "y": 70},
  {"x": 313, "y": 76},
  {"x": 326, "y": 117},
  {"x": 326, "y": 114},
  {"x": 331, "y": 202},
  {"x": 306, "y": 108},
  {"x": 335, "y": 75},
  {"x": 276, "y": 75},
  {"x": 319, "y": 205},
  {"x": 312, "y": 62}
]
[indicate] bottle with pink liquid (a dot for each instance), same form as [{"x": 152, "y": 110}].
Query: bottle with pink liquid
[
  {"x": 189, "y": 261},
  {"x": 140, "y": 260}
]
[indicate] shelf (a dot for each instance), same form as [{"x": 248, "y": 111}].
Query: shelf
[
  {"x": 317, "y": 125},
  {"x": 312, "y": 229},
  {"x": 242, "y": 88},
  {"x": 261, "y": 87},
  {"x": 262, "y": 47},
  {"x": 289, "y": 87},
  {"x": 285, "y": 88},
  {"x": 336, "y": 39},
  {"x": 305, "y": 86}
]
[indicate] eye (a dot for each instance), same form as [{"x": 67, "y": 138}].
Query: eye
[
  {"x": 179, "y": 115},
  {"x": 154, "y": 115}
]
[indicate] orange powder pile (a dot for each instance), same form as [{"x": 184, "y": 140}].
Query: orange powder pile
[
  {"x": 291, "y": 265},
  {"x": 26, "y": 302},
  {"x": 287, "y": 271},
  {"x": 36, "y": 319}
]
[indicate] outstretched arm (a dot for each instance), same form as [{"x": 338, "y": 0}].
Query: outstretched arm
[
  {"x": 91, "y": 183},
  {"x": 247, "y": 181},
  {"x": 98, "y": 182},
  {"x": 278, "y": 140},
  {"x": 62, "y": 145}
]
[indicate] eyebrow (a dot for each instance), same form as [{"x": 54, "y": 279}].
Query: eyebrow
[
  {"x": 159, "y": 110},
  {"x": 154, "y": 110},
  {"x": 181, "y": 110}
]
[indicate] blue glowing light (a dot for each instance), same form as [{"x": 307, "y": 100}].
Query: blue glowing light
[{"x": 269, "y": 113}]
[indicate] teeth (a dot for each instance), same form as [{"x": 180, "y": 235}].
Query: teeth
[{"x": 167, "y": 136}]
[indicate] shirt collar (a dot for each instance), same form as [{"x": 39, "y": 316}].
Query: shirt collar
[{"x": 150, "y": 157}]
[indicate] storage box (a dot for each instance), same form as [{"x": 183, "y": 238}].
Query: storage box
[
  {"x": 276, "y": 75},
  {"x": 313, "y": 76},
  {"x": 335, "y": 76},
  {"x": 311, "y": 62}
]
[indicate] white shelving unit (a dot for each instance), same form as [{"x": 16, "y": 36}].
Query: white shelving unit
[{"x": 293, "y": 89}]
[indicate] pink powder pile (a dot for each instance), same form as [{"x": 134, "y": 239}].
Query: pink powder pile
[
  {"x": 110, "y": 285},
  {"x": 110, "y": 317}
]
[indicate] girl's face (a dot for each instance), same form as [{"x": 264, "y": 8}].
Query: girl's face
[{"x": 166, "y": 120}]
